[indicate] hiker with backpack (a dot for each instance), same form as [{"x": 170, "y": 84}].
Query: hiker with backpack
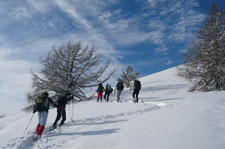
[
  {"x": 61, "y": 112},
  {"x": 108, "y": 90},
  {"x": 42, "y": 107},
  {"x": 119, "y": 89},
  {"x": 100, "y": 91},
  {"x": 137, "y": 88}
]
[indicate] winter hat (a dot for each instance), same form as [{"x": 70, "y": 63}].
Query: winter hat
[
  {"x": 67, "y": 94},
  {"x": 45, "y": 94}
]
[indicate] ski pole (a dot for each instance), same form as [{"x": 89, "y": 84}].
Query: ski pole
[{"x": 27, "y": 125}]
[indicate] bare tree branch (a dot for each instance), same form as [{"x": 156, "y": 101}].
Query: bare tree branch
[{"x": 70, "y": 68}]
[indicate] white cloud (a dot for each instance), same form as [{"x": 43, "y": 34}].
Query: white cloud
[
  {"x": 20, "y": 13},
  {"x": 5, "y": 53},
  {"x": 157, "y": 25},
  {"x": 178, "y": 20},
  {"x": 68, "y": 8},
  {"x": 126, "y": 32},
  {"x": 121, "y": 31},
  {"x": 154, "y": 3},
  {"x": 15, "y": 79},
  {"x": 186, "y": 24},
  {"x": 41, "y": 6},
  {"x": 169, "y": 62},
  {"x": 91, "y": 36},
  {"x": 162, "y": 49}
]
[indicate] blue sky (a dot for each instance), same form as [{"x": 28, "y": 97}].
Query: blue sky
[{"x": 146, "y": 34}]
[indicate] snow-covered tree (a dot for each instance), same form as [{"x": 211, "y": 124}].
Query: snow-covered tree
[
  {"x": 72, "y": 68},
  {"x": 204, "y": 61},
  {"x": 128, "y": 76}
]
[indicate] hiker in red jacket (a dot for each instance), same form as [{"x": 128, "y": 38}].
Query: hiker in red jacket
[{"x": 100, "y": 91}]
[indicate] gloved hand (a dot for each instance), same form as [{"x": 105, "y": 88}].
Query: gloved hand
[{"x": 34, "y": 110}]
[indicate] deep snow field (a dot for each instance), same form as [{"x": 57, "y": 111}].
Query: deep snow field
[{"x": 167, "y": 117}]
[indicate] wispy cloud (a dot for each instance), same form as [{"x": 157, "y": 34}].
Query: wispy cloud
[
  {"x": 110, "y": 26},
  {"x": 154, "y": 3},
  {"x": 20, "y": 13},
  {"x": 178, "y": 20},
  {"x": 42, "y": 6},
  {"x": 15, "y": 77}
]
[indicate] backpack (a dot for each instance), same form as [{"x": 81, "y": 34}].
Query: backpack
[
  {"x": 137, "y": 84},
  {"x": 120, "y": 86},
  {"x": 110, "y": 89},
  {"x": 42, "y": 101}
]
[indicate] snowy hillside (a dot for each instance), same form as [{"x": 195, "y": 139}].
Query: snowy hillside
[{"x": 167, "y": 117}]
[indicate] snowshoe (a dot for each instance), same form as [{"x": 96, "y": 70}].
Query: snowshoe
[
  {"x": 36, "y": 137},
  {"x": 52, "y": 128},
  {"x": 135, "y": 101}
]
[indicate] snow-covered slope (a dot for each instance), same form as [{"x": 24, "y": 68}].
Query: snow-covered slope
[{"x": 167, "y": 117}]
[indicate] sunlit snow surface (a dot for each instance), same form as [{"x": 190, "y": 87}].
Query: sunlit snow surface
[{"x": 167, "y": 117}]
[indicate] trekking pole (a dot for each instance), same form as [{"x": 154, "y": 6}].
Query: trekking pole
[
  {"x": 70, "y": 112},
  {"x": 27, "y": 125},
  {"x": 69, "y": 109}
]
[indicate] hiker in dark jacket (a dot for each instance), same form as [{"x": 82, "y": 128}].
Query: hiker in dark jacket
[
  {"x": 119, "y": 89},
  {"x": 42, "y": 106},
  {"x": 61, "y": 112},
  {"x": 100, "y": 91},
  {"x": 137, "y": 88},
  {"x": 108, "y": 91}
]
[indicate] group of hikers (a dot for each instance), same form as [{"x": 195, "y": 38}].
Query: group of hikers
[
  {"x": 43, "y": 100},
  {"x": 119, "y": 88}
]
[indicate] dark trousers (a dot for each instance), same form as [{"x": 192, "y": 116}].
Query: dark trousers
[
  {"x": 135, "y": 94},
  {"x": 106, "y": 96},
  {"x": 59, "y": 114}
]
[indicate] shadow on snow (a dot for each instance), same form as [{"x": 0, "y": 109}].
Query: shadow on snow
[{"x": 87, "y": 133}]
